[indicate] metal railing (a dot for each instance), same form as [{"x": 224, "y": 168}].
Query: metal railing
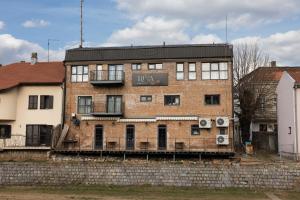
[
  {"x": 107, "y": 75},
  {"x": 102, "y": 107},
  {"x": 150, "y": 144}
]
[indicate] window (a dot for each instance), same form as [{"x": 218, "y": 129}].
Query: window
[
  {"x": 179, "y": 71},
  {"x": 195, "y": 129},
  {"x": 214, "y": 71},
  {"x": 222, "y": 131},
  {"x": 263, "y": 127},
  {"x": 115, "y": 72},
  {"x": 33, "y": 102},
  {"x": 5, "y": 131},
  {"x": 136, "y": 66},
  {"x": 212, "y": 99},
  {"x": 155, "y": 66},
  {"x": 46, "y": 102},
  {"x": 172, "y": 100},
  {"x": 130, "y": 130},
  {"x": 192, "y": 71},
  {"x": 80, "y": 74},
  {"x": 38, "y": 135},
  {"x": 262, "y": 101},
  {"x": 146, "y": 98},
  {"x": 114, "y": 104},
  {"x": 84, "y": 104}
]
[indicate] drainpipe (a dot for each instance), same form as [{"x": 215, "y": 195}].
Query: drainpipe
[{"x": 296, "y": 126}]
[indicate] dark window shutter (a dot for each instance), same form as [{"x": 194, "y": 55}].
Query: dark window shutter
[
  {"x": 50, "y": 102},
  {"x": 42, "y": 102}
]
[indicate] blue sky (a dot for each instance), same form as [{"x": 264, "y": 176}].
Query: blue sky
[{"x": 26, "y": 26}]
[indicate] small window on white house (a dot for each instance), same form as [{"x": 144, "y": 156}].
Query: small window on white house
[
  {"x": 179, "y": 71},
  {"x": 192, "y": 71}
]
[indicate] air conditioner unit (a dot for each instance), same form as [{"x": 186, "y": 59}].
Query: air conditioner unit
[
  {"x": 204, "y": 123},
  {"x": 222, "y": 140},
  {"x": 222, "y": 122}
]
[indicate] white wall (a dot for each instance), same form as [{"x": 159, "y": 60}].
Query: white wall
[
  {"x": 8, "y": 104},
  {"x": 25, "y": 116},
  {"x": 286, "y": 114}
]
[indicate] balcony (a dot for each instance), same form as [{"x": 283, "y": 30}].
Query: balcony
[
  {"x": 111, "y": 109},
  {"x": 107, "y": 77}
]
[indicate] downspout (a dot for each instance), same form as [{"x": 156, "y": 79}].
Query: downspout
[{"x": 296, "y": 120}]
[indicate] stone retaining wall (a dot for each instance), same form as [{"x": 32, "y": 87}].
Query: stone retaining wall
[{"x": 169, "y": 174}]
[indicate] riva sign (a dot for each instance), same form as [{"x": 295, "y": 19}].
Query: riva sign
[{"x": 150, "y": 79}]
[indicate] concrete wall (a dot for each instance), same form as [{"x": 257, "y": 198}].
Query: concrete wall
[
  {"x": 25, "y": 116},
  {"x": 286, "y": 114},
  {"x": 8, "y": 104},
  {"x": 168, "y": 174}
]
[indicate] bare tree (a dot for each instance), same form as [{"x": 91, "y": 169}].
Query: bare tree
[{"x": 252, "y": 90}]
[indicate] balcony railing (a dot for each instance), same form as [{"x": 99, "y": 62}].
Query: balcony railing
[
  {"x": 104, "y": 109},
  {"x": 107, "y": 77},
  {"x": 150, "y": 144}
]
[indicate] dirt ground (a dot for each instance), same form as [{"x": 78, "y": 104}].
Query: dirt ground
[{"x": 137, "y": 192}]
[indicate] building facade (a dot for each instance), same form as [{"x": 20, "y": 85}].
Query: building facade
[
  {"x": 288, "y": 98},
  {"x": 149, "y": 99},
  {"x": 31, "y": 104}
]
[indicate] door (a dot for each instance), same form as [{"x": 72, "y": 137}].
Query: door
[
  {"x": 114, "y": 104},
  {"x": 99, "y": 73},
  {"x": 115, "y": 72},
  {"x": 162, "y": 137},
  {"x": 130, "y": 137},
  {"x": 99, "y": 137}
]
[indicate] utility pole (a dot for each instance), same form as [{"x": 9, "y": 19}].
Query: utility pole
[
  {"x": 81, "y": 24},
  {"x": 49, "y": 40}
]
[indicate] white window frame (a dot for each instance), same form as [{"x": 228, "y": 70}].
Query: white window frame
[
  {"x": 179, "y": 72},
  {"x": 84, "y": 74},
  {"x": 208, "y": 71}
]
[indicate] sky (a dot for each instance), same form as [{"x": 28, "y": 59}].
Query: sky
[{"x": 26, "y": 26}]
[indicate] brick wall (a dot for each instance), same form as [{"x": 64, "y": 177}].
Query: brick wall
[
  {"x": 191, "y": 93},
  {"x": 169, "y": 174}
]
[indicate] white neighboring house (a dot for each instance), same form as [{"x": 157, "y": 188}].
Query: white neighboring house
[
  {"x": 31, "y": 103},
  {"x": 288, "y": 113}
]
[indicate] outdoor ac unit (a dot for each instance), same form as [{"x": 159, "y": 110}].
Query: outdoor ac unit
[
  {"x": 222, "y": 122},
  {"x": 222, "y": 140},
  {"x": 204, "y": 123}
]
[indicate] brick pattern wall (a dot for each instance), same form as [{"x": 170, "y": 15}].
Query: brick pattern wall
[
  {"x": 169, "y": 174},
  {"x": 191, "y": 93}
]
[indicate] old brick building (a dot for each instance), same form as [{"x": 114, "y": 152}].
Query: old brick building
[{"x": 170, "y": 98}]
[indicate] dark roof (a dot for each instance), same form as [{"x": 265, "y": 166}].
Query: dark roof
[
  {"x": 16, "y": 74},
  {"x": 149, "y": 52}
]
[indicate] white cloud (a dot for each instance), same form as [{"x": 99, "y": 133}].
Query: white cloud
[
  {"x": 282, "y": 47},
  {"x": 154, "y": 30},
  {"x": 212, "y": 14},
  {"x": 14, "y": 50},
  {"x": 35, "y": 23},
  {"x": 2, "y": 24}
]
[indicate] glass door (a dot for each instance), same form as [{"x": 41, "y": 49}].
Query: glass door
[
  {"x": 162, "y": 137},
  {"x": 99, "y": 73},
  {"x": 98, "y": 137},
  {"x": 115, "y": 72},
  {"x": 114, "y": 104},
  {"x": 130, "y": 137}
]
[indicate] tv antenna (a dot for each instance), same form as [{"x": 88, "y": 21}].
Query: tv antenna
[
  {"x": 81, "y": 24},
  {"x": 50, "y": 40}
]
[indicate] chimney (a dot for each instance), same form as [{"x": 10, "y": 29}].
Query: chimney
[
  {"x": 34, "y": 58},
  {"x": 273, "y": 63}
]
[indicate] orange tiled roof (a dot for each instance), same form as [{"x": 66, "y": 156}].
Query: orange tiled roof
[{"x": 16, "y": 74}]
